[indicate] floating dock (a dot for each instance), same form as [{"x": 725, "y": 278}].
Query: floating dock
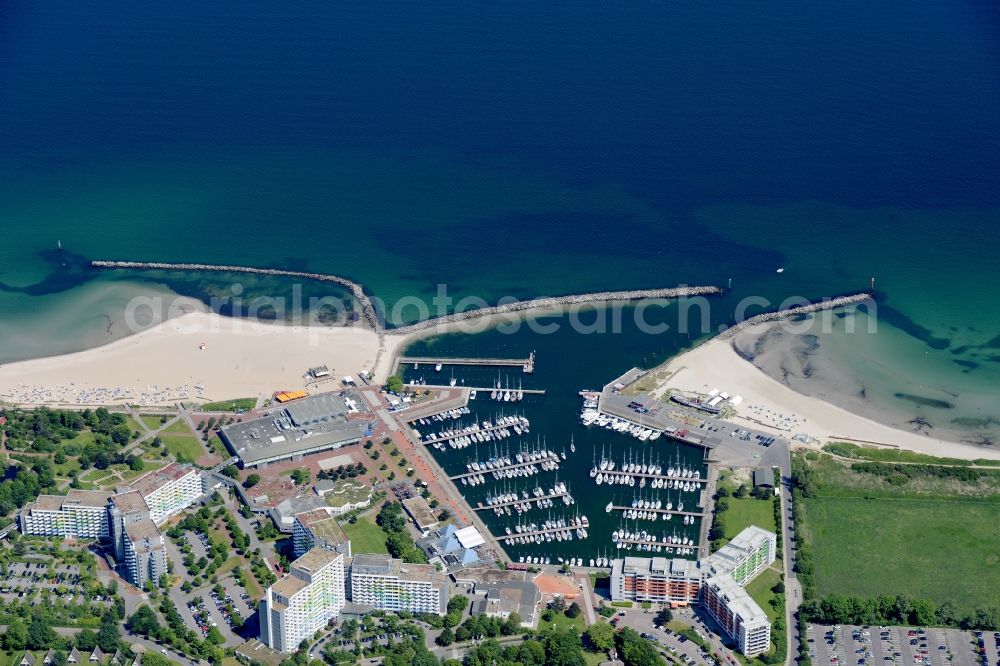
[
  {"x": 672, "y": 512},
  {"x": 489, "y": 472},
  {"x": 529, "y": 500},
  {"x": 527, "y": 365}
]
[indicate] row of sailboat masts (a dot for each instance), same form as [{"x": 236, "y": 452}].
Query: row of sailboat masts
[
  {"x": 518, "y": 423},
  {"x": 640, "y": 467},
  {"x": 561, "y": 529},
  {"x": 511, "y": 466},
  {"x": 602, "y": 561},
  {"x": 504, "y": 393}
]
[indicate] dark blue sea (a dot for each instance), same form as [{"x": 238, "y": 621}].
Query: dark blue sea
[{"x": 515, "y": 148}]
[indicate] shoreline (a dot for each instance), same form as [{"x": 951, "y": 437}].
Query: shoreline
[{"x": 769, "y": 404}]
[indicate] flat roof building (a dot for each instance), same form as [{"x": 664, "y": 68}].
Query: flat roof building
[
  {"x": 80, "y": 514},
  {"x": 318, "y": 529},
  {"x": 304, "y": 600},
  {"x": 513, "y": 593},
  {"x": 421, "y": 513},
  {"x": 746, "y": 555},
  {"x": 738, "y": 614},
  {"x": 763, "y": 477},
  {"x": 658, "y": 579},
  {"x": 385, "y": 583},
  {"x": 169, "y": 490},
  {"x": 312, "y": 424}
]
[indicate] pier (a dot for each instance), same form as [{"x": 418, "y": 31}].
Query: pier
[
  {"x": 828, "y": 304},
  {"x": 526, "y": 364},
  {"x": 478, "y": 389},
  {"x": 551, "y": 530},
  {"x": 465, "y": 432},
  {"x": 504, "y": 468},
  {"x": 669, "y": 547},
  {"x": 662, "y": 477},
  {"x": 672, "y": 512},
  {"x": 521, "y": 500}
]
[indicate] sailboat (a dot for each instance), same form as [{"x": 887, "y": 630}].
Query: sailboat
[
  {"x": 572, "y": 446},
  {"x": 451, "y": 382},
  {"x": 437, "y": 368}
]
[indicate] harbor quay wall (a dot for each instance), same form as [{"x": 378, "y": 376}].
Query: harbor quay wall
[
  {"x": 370, "y": 312},
  {"x": 829, "y": 304}
]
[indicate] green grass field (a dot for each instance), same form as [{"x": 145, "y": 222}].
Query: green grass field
[
  {"x": 235, "y": 404},
  {"x": 938, "y": 549},
  {"x": 366, "y": 537},
  {"x": 760, "y": 589},
  {"x": 152, "y": 421},
  {"x": 748, "y": 511},
  {"x": 562, "y": 623},
  {"x": 183, "y": 446}
]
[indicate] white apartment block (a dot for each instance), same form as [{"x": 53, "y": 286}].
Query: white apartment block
[
  {"x": 750, "y": 552},
  {"x": 145, "y": 553},
  {"x": 384, "y": 583},
  {"x": 738, "y": 614},
  {"x": 80, "y": 514},
  {"x": 304, "y": 600},
  {"x": 169, "y": 490}
]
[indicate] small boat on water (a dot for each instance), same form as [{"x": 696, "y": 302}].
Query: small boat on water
[
  {"x": 437, "y": 368},
  {"x": 780, "y": 270}
]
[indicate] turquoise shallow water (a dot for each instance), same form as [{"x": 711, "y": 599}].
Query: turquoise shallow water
[{"x": 518, "y": 150}]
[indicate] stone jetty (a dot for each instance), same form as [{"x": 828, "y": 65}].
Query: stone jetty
[
  {"x": 370, "y": 312},
  {"x": 828, "y": 304}
]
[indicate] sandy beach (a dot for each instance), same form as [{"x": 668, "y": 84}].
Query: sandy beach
[
  {"x": 769, "y": 403},
  {"x": 196, "y": 356}
]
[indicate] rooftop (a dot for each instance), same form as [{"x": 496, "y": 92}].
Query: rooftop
[
  {"x": 309, "y": 424},
  {"x": 736, "y": 598},
  {"x": 382, "y": 565},
  {"x": 129, "y": 502},
  {"x": 658, "y": 566},
  {"x": 315, "y": 559},
  {"x": 91, "y": 498},
  {"x": 152, "y": 481},
  {"x": 513, "y": 596},
  {"x": 741, "y": 546},
  {"x": 323, "y": 526},
  {"x": 763, "y": 476},
  {"x": 144, "y": 535},
  {"x": 420, "y": 511}
]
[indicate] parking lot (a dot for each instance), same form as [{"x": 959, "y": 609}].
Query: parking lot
[
  {"x": 678, "y": 647},
  {"x": 898, "y": 646}
]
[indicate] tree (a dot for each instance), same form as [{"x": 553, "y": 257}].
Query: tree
[
  {"x": 741, "y": 492},
  {"x": 40, "y": 635},
  {"x": 446, "y": 638},
  {"x": 663, "y": 617},
  {"x": 600, "y": 637},
  {"x": 300, "y": 476},
  {"x": 558, "y": 604},
  {"x": 214, "y": 636},
  {"x": 16, "y": 637},
  {"x": 108, "y": 637},
  {"x": 136, "y": 464},
  {"x": 232, "y": 471},
  {"x": 574, "y": 610},
  {"x": 251, "y": 480},
  {"x": 143, "y": 622},
  {"x": 563, "y": 649},
  {"x": 86, "y": 640},
  {"x": 394, "y": 384},
  {"x": 635, "y": 651}
]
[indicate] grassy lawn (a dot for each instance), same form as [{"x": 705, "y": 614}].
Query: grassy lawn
[
  {"x": 233, "y": 405},
  {"x": 183, "y": 446},
  {"x": 152, "y": 421},
  {"x": 760, "y": 589},
  {"x": 748, "y": 511},
  {"x": 561, "y": 623},
  {"x": 366, "y": 537},
  {"x": 179, "y": 427},
  {"x": 933, "y": 548}
]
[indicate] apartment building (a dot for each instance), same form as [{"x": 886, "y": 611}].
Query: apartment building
[
  {"x": 738, "y": 614},
  {"x": 81, "y": 514},
  {"x": 660, "y": 580},
  {"x": 304, "y": 600},
  {"x": 388, "y": 584},
  {"x": 750, "y": 552},
  {"x": 318, "y": 529},
  {"x": 169, "y": 490}
]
